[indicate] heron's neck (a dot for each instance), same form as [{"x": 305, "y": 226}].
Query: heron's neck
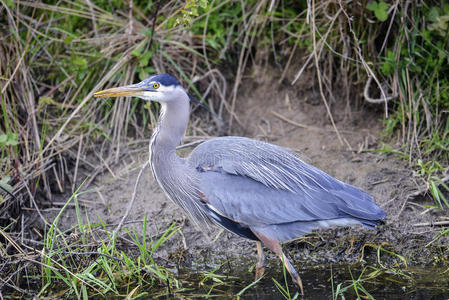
[
  {"x": 173, "y": 174},
  {"x": 170, "y": 129}
]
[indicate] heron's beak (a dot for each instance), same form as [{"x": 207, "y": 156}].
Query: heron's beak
[{"x": 123, "y": 91}]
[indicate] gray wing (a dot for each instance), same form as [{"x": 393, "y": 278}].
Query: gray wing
[{"x": 259, "y": 184}]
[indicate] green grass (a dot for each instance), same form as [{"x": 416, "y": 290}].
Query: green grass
[
  {"x": 85, "y": 260},
  {"x": 283, "y": 288},
  {"x": 374, "y": 282},
  {"x": 356, "y": 286}
]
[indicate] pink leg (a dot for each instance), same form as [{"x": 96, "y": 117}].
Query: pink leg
[{"x": 274, "y": 246}]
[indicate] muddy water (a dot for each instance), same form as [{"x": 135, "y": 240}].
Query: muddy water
[{"x": 321, "y": 282}]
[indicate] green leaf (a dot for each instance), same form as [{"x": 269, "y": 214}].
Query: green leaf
[
  {"x": 189, "y": 11},
  {"x": 145, "y": 58},
  {"x": 433, "y": 14},
  {"x": 382, "y": 6},
  {"x": 12, "y": 139},
  {"x": 380, "y": 9},
  {"x": 80, "y": 62},
  {"x": 5, "y": 180},
  {"x": 11, "y": 143},
  {"x": 10, "y": 3},
  {"x": 144, "y": 72},
  {"x": 136, "y": 53},
  {"x": 150, "y": 70},
  {"x": 147, "y": 32},
  {"x": 68, "y": 40},
  {"x": 147, "y": 105},
  {"x": 381, "y": 15},
  {"x": 142, "y": 75},
  {"x": 3, "y": 139},
  {"x": 386, "y": 68},
  {"x": 372, "y": 6},
  {"x": 4, "y": 183},
  {"x": 46, "y": 100}
]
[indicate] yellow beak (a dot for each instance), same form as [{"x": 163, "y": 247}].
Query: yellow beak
[{"x": 123, "y": 91}]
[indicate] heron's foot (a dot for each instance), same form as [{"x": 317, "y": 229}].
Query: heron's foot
[
  {"x": 293, "y": 273},
  {"x": 298, "y": 282}
]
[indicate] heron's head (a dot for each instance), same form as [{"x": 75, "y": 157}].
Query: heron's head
[{"x": 160, "y": 88}]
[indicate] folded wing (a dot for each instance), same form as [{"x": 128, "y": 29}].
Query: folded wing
[{"x": 257, "y": 184}]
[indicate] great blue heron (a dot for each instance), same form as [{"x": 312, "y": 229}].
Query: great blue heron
[{"x": 257, "y": 190}]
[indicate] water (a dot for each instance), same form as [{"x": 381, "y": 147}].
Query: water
[{"x": 349, "y": 280}]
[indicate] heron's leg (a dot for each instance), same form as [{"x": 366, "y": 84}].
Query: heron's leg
[
  {"x": 274, "y": 246},
  {"x": 261, "y": 261}
]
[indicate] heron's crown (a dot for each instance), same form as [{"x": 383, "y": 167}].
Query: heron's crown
[{"x": 163, "y": 79}]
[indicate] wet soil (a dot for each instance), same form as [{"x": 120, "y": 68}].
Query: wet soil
[{"x": 293, "y": 117}]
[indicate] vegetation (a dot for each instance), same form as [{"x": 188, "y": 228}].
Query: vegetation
[
  {"x": 56, "y": 54},
  {"x": 87, "y": 261}
]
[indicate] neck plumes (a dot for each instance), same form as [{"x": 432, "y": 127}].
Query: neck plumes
[{"x": 168, "y": 168}]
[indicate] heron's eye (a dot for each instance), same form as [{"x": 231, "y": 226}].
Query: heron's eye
[{"x": 156, "y": 85}]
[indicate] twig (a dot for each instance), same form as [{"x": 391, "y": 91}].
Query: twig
[
  {"x": 320, "y": 83},
  {"x": 35, "y": 204},
  {"x": 12, "y": 286},
  {"x": 75, "y": 174},
  {"x": 8, "y": 192},
  {"x": 372, "y": 100},
  {"x": 130, "y": 20},
  {"x": 289, "y": 121},
  {"x": 133, "y": 198},
  {"x": 15, "y": 69},
  {"x": 303, "y": 67},
  {"x": 283, "y": 118},
  {"x": 395, "y": 7},
  {"x": 94, "y": 21},
  {"x": 248, "y": 41},
  {"x": 11, "y": 240},
  {"x": 154, "y": 24},
  {"x": 438, "y": 223},
  {"x": 93, "y": 253},
  {"x": 358, "y": 50},
  {"x": 379, "y": 182},
  {"x": 16, "y": 272}
]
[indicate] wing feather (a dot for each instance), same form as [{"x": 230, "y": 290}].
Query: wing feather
[{"x": 259, "y": 184}]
